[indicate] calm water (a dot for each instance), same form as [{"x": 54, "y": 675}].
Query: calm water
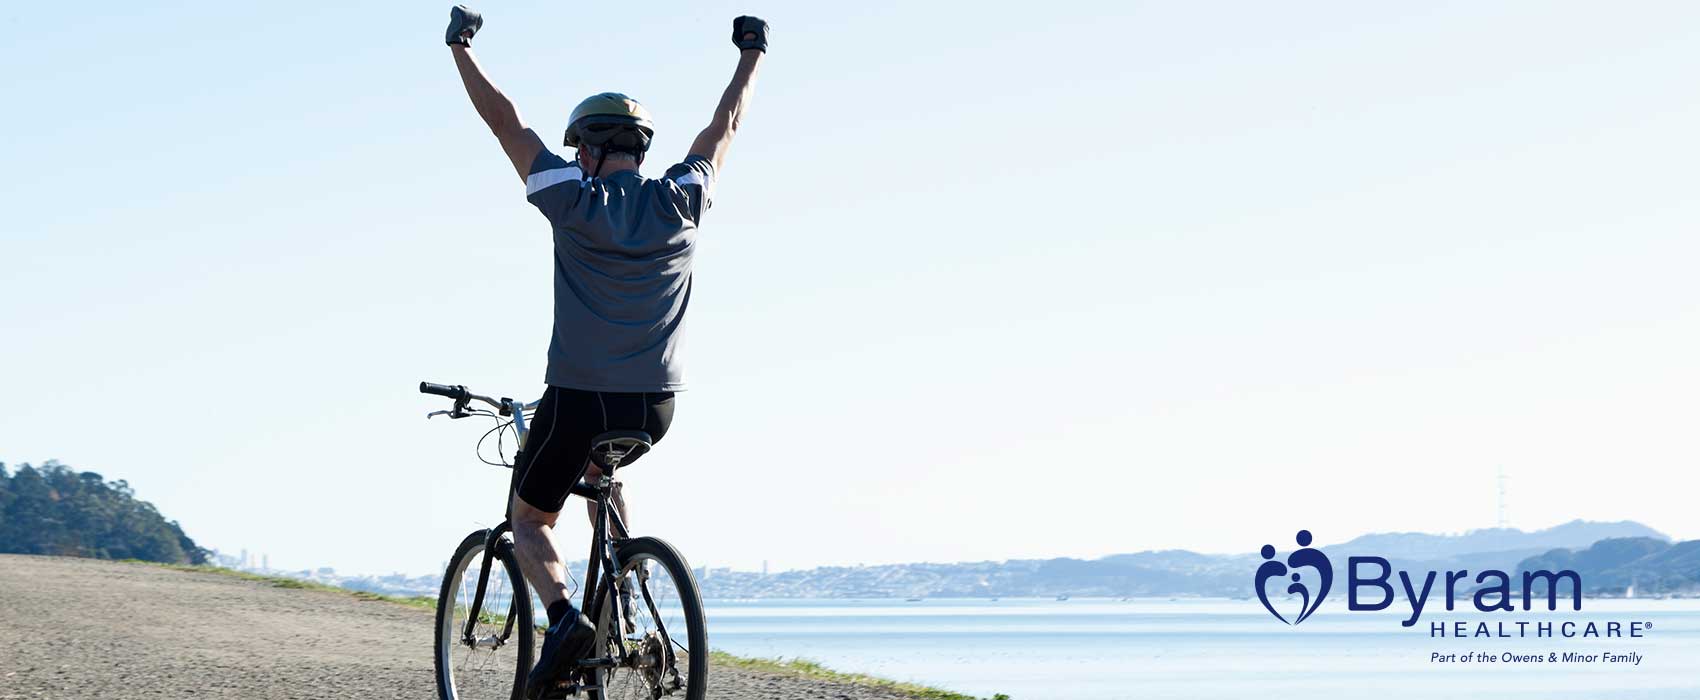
[{"x": 1083, "y": 648}]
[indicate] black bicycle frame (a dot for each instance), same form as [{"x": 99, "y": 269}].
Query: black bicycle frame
[
  {"x": 600, "y": 582},
  {"x": 602, "y": 568}
]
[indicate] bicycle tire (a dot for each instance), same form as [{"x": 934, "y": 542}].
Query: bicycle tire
[
  {"x": 467, "y": 556},
  {"x": 629, "y": 554}
]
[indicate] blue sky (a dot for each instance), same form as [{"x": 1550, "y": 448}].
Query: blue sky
[{"x": 980, "y": 281}]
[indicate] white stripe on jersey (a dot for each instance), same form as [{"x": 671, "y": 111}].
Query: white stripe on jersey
[
  {"x": 696, "y": 178},
  {"x": 545, "y": 179}
]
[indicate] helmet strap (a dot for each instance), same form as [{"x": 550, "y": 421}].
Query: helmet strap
[{"x": 601, "y": 155}]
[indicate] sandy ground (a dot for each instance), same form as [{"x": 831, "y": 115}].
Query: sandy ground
[{"x": 82, "y": 628}]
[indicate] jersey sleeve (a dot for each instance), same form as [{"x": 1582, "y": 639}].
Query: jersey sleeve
[
  {"x": 695, "y": 178},
  {"x": 554, "y": 184}
]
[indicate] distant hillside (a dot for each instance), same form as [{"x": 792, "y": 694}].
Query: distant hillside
[
  {"x": 1652, "y": 566},
  {"x": 1163, "y": 573},
  {"x": 53, "y": 509},
  {"x": 1493, "y": 548},
  {"x": 1426, "y": 547}
]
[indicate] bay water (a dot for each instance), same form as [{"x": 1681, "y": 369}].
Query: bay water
[{"x": 1098, "y": 649}]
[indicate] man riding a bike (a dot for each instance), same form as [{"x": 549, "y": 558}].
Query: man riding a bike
[{"x": 623, "y": 248}]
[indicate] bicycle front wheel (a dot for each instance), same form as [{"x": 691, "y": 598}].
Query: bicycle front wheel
[
  {"x": 662, "y": 644},
  {"x": 490, "y": 662}
]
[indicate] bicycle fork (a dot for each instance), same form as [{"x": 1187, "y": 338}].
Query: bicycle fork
[{"x": 491, "y": 541}]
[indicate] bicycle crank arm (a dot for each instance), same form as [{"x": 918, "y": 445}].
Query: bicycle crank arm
[{"x": 567, "y": 689}]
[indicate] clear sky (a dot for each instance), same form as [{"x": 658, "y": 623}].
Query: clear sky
[{"x": 982, "y": 280}]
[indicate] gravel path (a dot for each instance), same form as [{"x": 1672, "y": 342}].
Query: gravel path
[{"x": 83, "y": 628}]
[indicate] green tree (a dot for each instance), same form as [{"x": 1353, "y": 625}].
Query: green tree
[
  {"x": 5, "y": 497},
  {"x": 56, "y": 510}
]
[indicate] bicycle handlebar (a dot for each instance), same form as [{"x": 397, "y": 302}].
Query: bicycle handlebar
[
  {"x": 504, "y": 406},
  {"x": 442, "y": 389},
  {"x": 456, "y": 392},
  {"x": 462, "y": 397}
]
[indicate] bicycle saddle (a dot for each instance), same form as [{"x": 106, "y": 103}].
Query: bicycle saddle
[{"x": 615, "y": 448}]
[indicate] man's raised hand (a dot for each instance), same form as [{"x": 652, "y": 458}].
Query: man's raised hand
[
  {"x": 749, "y": 33},
  {"x": 463, "y": 23}
]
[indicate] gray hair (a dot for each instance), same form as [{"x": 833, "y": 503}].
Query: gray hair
[{"x": 609, "y": 156}]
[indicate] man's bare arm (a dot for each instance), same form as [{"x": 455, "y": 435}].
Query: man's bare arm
[
  {"x": 715, "y": 140},
  {"x": 519, "y": 142}
]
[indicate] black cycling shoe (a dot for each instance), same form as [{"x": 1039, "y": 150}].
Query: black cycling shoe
[{"x": 564, "y": 645}]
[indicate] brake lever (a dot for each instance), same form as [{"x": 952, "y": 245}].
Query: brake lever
[{"x": 459, "y": 411}]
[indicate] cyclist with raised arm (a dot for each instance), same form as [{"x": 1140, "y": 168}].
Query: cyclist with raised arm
[{"x": 623, "y": 247}]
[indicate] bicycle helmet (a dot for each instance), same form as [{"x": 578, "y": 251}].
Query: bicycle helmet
[{"x": 610, "y": 122}]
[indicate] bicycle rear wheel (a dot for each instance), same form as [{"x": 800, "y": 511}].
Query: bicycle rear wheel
[
  {"x": 663, "y": 646},
  {"x": 493, "y": 665}
]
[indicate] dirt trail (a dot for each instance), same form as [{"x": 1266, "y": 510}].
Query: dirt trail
[{"x": 83, "y": 628}]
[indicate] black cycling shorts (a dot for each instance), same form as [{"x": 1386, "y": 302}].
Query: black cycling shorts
[{"x": 557, "y": 447}]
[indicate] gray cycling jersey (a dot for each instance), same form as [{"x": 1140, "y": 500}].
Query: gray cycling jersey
[{"x": 623, "y": 246}]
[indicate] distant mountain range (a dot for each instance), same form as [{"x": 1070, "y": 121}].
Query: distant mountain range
[
  {"x": 1641, "y": 566},
  {"x": 1673, "y": 568},
  {"x": 1498, "y": 544}
]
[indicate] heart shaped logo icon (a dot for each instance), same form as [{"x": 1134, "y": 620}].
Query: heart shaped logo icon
[{"x": 1305, "y": 556}]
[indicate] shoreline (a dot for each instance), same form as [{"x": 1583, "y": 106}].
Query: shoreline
[{"x": 793, "y": 667}]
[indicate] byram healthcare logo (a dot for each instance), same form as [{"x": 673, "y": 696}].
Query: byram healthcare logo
[
  {"x": 1373, "y": 584},
  {"x": 1305, "y": 557}
]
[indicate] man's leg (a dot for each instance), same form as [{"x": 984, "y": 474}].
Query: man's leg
[
  {"x": 539, "y": 558},
  {"x": 555, "y": 453},
  {"x": 543, "y": 475},
  {"x": 571, "y": 636}
]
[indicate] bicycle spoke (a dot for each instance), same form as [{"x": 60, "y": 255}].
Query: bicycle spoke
[
  {"x": 486, "y": 668},
  {"x": 650, "y": 668}
]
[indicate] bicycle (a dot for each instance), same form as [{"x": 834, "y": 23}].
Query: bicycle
[{"x": 640, "y": 646}]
